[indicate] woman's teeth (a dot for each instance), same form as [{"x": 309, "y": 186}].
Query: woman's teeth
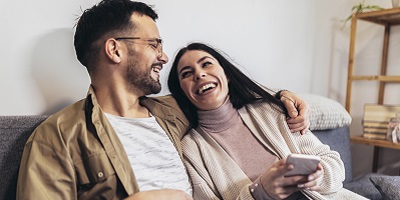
[{"x": 206, "y": 87}]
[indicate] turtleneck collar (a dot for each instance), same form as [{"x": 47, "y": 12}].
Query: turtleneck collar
[{"x": 219, "y": 119}]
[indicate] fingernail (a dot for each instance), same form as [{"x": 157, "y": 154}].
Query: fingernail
[
  {"x": 300, "y": 185},
  {"x": 310, "y": 178}
]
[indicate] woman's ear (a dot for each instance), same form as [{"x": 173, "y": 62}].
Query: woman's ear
[{"x": 113, "y": 50}]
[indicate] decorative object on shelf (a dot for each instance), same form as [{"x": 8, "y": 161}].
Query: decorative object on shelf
[
  {"x": 361, "y": 7},
  {"x": 393, "y": 131},
  {"x": 379, "y": 120},
  {"x": 396, "y": 3}
]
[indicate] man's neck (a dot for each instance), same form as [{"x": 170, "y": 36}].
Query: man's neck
[{"x": 119, "y": 101}]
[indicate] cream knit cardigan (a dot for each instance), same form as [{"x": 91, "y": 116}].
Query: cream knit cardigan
[{"x": 215, "y": 175}]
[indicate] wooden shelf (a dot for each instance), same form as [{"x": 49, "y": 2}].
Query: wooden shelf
[
  {"x": 384, "y": 17},
  {"x": 387, "y": 18},
  {"x": 393, "y": 79},
  {"x": 372, "y": 142}
]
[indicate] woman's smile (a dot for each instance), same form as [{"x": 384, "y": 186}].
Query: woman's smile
[{"x": 203, "y": 80}]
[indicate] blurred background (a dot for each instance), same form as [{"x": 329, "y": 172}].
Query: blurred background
[{"x": 300, "y": 45}]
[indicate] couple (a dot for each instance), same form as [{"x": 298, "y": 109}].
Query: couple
[{"x": 117, "y": 141}]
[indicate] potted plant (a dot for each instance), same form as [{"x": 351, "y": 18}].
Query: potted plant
[{"x": 359, "y": 8}]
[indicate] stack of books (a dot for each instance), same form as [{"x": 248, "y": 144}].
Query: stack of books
[{"x": 376, "y": 119}]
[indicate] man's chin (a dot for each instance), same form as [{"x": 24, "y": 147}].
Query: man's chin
[{"x": 155, "y": 89}]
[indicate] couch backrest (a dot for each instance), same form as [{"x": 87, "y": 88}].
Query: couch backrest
[{"x": 14, "y": 132}]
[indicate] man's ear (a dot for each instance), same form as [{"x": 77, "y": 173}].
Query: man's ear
[{"x": 113, "y": 50}]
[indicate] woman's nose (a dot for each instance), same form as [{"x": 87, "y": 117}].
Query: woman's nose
[{"x": 200, "y": 75}]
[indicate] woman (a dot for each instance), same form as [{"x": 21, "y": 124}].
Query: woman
[{"x": 240, "y": 141}]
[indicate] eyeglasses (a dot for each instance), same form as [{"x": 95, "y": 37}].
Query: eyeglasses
[{"x": 155, "y": 43}]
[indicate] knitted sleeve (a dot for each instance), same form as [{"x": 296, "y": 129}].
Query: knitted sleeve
[{"x": 210, "y": 178}]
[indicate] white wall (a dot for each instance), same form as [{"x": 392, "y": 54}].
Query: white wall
[
  {"x": 298, "y": 45},
  {"x": 272, "y": 40}
]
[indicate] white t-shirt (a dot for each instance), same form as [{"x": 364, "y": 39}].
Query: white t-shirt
[{"x": 153, "y": 157}]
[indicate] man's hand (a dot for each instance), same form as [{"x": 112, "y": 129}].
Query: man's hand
[
  {"x": 164, "y": 194},
  {"x": 298, "y": 111}
]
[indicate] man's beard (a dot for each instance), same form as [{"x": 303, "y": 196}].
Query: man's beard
[{"x": 142, "y": 80}]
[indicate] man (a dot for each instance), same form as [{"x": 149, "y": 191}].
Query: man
[{"x": 88, "y": 150}]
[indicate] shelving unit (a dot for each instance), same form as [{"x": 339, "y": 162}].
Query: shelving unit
[{"x": 386, "y": 18}]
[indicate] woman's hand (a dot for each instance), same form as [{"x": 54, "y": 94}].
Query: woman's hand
[
  {"x": 298, "y": 111},
  {"x": 280, "y": 187}
]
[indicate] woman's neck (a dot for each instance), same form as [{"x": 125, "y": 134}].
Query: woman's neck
[{"x": 219, "y": 119}]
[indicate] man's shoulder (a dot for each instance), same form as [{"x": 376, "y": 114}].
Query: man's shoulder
[
  {"x": 165, "y": 107},
  {"x": 66, "y": 118},
  {"x": 166, "y": 100},
  {"x": 70, "y": 112}
]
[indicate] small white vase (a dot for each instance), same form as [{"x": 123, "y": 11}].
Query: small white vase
[{"x": 396, "y": 3}]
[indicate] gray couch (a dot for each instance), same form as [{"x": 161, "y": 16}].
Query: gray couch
[
  {"x": 339, "y": 140},
  {"x": 15, "y": 130}
]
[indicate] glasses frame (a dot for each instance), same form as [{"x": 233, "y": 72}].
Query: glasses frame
[{"x": 159, "y": 45}]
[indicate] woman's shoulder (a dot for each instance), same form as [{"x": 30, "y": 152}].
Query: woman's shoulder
[
  {"x": 264, "y": 106},
  {"x": 191, "y": 136}
]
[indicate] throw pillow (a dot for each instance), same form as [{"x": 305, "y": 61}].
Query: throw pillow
[
  {"x": 326, "y": 113},
  {"x": 388, "y": 186}
]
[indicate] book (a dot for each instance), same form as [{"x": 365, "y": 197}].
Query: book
[
  {"x": 375, "y": 124},
  {"x": 380, "y": 113},
  {"x": 375, "y": 136},
  {"x": 375, "y": 130}
]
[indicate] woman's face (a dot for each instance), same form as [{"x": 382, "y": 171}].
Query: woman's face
[{"x": 202, "y": 79}]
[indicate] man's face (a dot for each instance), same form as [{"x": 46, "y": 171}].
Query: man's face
[{"x": 145, "y": 57}]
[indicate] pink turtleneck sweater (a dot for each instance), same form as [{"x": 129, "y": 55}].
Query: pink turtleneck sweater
[{"x": 225, "y": 125}]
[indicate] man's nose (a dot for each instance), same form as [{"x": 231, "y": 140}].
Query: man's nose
[{"x": 163, "y": 57}]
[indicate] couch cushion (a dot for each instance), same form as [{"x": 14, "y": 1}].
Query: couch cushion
[
  {"x": 388, "y": 186},
  {"x": 326, "y": 113},
  {"x": 14, "y": 131},
  {"x": 363, "y": 186}
]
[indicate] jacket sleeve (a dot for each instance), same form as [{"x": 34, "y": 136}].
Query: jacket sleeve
[
  {"x": 45, "y": 173},
  {"x": 334, "y": 172}
]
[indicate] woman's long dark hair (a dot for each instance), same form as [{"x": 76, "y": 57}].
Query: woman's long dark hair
[{"x": 242, "y": 90}]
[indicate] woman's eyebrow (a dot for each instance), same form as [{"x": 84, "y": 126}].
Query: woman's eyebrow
[
  {"x": 183, "y": 68},
  {"x": 203, "y": 58},
  {"x": 199, "y": 61}
]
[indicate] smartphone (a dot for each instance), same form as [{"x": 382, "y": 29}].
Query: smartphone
[{"x": 303, "y": 164}]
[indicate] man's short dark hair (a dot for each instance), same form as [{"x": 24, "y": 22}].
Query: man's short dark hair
[{"x": 104, "y": 18}]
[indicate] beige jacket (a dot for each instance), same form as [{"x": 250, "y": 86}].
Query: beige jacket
[
  {"x": 76, "y": 154},
  {"x": 215, "y": 175}
]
